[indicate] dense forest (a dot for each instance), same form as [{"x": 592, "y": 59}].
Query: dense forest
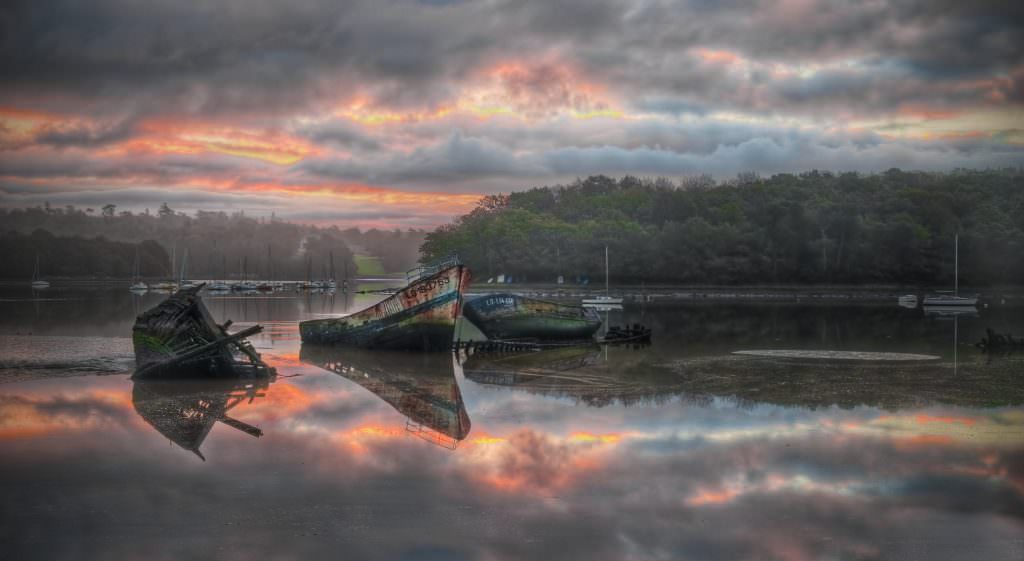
[
  {"x": 895, "y": 227},
  {"x": 75, "y": 242}
]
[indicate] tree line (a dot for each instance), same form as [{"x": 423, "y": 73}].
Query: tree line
[
  {"x": 76, "y": 242},
  {"x": 895, "y": 227}
]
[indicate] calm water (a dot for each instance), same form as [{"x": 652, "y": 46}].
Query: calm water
[{"x": 679, "y": 450}]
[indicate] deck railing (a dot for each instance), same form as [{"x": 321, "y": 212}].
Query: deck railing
[{"x": 423, "y": 271}]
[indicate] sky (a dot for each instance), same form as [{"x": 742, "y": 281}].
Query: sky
[{"x": 402, "y": 113}]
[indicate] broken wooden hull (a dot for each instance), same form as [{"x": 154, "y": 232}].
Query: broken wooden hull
[
  {"x": 420, "y": 316},
  {"x": 420, "y": 386},
  {"x": 509, "y": 316},
  {"x": 179, "y": 338}
]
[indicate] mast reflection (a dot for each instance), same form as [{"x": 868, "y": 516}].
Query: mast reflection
[
  {"x": 185, "y": 411},
  {"x": 421, "y": 386}
]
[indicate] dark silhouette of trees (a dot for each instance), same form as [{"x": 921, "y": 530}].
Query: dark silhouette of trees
[{"x": 895, "y": 227}]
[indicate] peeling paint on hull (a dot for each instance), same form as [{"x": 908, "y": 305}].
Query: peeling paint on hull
[
  {"x": 421, "y": 316},
  {"x": 510, "y": 316}
]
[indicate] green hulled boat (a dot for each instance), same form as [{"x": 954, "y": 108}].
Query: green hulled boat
[
  {"x": 509, "y": 316},
  {"x": 420, "y": 316}
]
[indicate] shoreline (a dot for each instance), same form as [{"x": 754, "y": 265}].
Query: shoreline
[
  {"x": 777, "y": 293},
  {"x": 877, "y": 293}
]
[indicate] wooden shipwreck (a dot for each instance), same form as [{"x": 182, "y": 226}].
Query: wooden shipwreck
[
  {"x": 513, "y": 317},
  {"x": 179, "y": 338},
  {"x": 420, "y": 316}
]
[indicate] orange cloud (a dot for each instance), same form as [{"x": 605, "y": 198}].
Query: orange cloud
[
  {"x": 162, "y": 137},
  {"x": 707, "y": 497},
  {"x": 24, "y": 418},
  {"x": 717, "y": 56}
]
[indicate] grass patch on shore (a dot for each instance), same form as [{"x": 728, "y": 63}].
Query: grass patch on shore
[{"x": 368, "y": 265}]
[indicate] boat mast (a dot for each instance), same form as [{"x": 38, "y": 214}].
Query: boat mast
[
  {"x": 184, "y": 262},
  {"x": 956, "y": 265},
  {"x": 606, "y": 291},
  {"x": 35, "y": 272}
]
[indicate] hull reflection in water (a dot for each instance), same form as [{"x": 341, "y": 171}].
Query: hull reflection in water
[
  {"x": 421, "y": 386},
  {"x": 185, "y": 411},
  {"x": 579, "y": 372}
]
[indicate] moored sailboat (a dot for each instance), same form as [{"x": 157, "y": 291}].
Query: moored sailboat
[
  {"x": 137, "y": 284},
  {"x": 944, "y": 299},
  {"x": 420, "y": 316},
  {"x": 37, "y": 281},
  {"x": 607, "y": 299}
]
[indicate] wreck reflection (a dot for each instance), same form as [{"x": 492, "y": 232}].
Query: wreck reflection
[
  {"x": 185, "y": 411},
  {"x": 421, "y": 386}
]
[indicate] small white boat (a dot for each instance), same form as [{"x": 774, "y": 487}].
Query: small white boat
[
  {"x": 603, "y": 301},
  {"x": 37, "y": 282},
  {"x": 139, "y": 287},
  {"x": 218, "y": 286},
  {"x": 908, "y": 301},
  {"x": 950, "y": 300}
]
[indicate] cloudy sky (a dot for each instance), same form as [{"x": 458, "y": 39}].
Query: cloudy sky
[{"x": 402, "y": 112}]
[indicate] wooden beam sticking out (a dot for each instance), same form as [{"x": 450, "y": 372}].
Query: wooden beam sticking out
[{"x": 200, "y": 350}]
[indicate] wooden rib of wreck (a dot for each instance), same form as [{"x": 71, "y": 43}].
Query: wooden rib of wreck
[
  {"x": 179, "y": 338},
  {"x": 421, "y": 386},
  {"x": 510, "y": 317},
  {"x": 420, "y": 316}
]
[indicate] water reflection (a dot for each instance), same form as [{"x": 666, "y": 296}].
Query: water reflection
[
  {"x": 421, "y": 386},
  {"x": 681, "y": 450},
  {"x": 588, "y": 374},
  {"x": 185, "y": 411}
]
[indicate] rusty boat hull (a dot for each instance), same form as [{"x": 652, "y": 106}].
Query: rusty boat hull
[
  {"x": 420, "y": 316},
  {"x": 514, "y": 317}
]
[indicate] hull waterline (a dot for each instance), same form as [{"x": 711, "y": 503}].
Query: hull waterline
[
  {"x": 509, "y": 316},
  {"x": 420, "y": 316}
]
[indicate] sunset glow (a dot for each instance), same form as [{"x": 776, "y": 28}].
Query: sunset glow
[{"x": 426, "y": 129}]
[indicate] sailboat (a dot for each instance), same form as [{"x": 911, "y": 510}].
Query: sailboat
[
  {"x": 182, "y": 283},
  {"x": 954, "y": 299},
  {"x": 220, "y": 286},
  {"x": 607, "y": 299},
  {"x": 168, "y": 285},
  {"x": 38, "y": 282},
  {"x": 137, "y": 284}
]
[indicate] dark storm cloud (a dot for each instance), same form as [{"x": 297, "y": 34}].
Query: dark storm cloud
[
  {"x": 81, "y": 164},
  {"x": 341, "y": 133},
  {"x": 666, "y": 149},
  {"x": 456, "y": 159},
  {"x": 277, "y": 56}
]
